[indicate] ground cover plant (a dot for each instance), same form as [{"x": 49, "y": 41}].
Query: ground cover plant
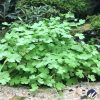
[{"x": 46, "y": 54}]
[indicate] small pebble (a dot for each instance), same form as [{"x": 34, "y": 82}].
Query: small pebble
[{"x": 70, "y": 90}]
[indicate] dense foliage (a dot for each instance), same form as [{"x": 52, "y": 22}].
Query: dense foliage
[
  {"x": 31, "y": 14},
  {"x": 76, "y": 6},
  {"x": 45, "y": 53}
]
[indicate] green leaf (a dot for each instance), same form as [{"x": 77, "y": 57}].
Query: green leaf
[
  {"x": 91, "y": 77},
  {"x": 15, "y": 80},
  {"x": 4, "y": 77},
  {"x": 23, "y": 41},
  {"x": 79, "y": 73},
  {"x": 61, "y": 71},
  {"x": 20, "y": 29},
  {"x": 49, "y": 81},
  {"x": 6, "y": 24},
  {"x": 34, "y": 87},
  {"x": 77, "y": 47},
  {"x": 13, "y": 57},
  {"x": 43, "y": 75},
  {"x": 24, "y": 80},
  {"x": 84, "y": 56},
  {"x": 69, "y": 15},
  {"x": 40, "y": 80},
  {"x": 28, "y": 57},
  {"x": 32, "y": 77},
  {"x": 81, "y": 36},
  {"x": 59, "y": 86},
  {"x": 53, "y": 65},
  {"x": 81, "y": 21},
  {"x": 41, "y": 64},
  {"x": 32, "y": 46},
  {"x": 72, "y": 81},
  {"x": 66, "y": 36}
]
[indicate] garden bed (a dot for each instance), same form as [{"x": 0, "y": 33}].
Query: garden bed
[{"x": 49, "y": 43}]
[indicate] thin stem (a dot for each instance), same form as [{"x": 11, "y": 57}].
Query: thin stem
[{"x": 3, "y": 65}]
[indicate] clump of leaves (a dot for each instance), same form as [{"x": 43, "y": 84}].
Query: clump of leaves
[
  {"x": 94, "y": 21},
  {"x": 45, "y": 53},
  {"x": 30, "y": 14}
]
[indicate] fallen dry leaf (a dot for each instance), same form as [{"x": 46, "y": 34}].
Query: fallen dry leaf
[{"x": 17, "y": 98}]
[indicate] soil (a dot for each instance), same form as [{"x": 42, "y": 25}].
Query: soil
[{"x": 75, "y": 92}]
